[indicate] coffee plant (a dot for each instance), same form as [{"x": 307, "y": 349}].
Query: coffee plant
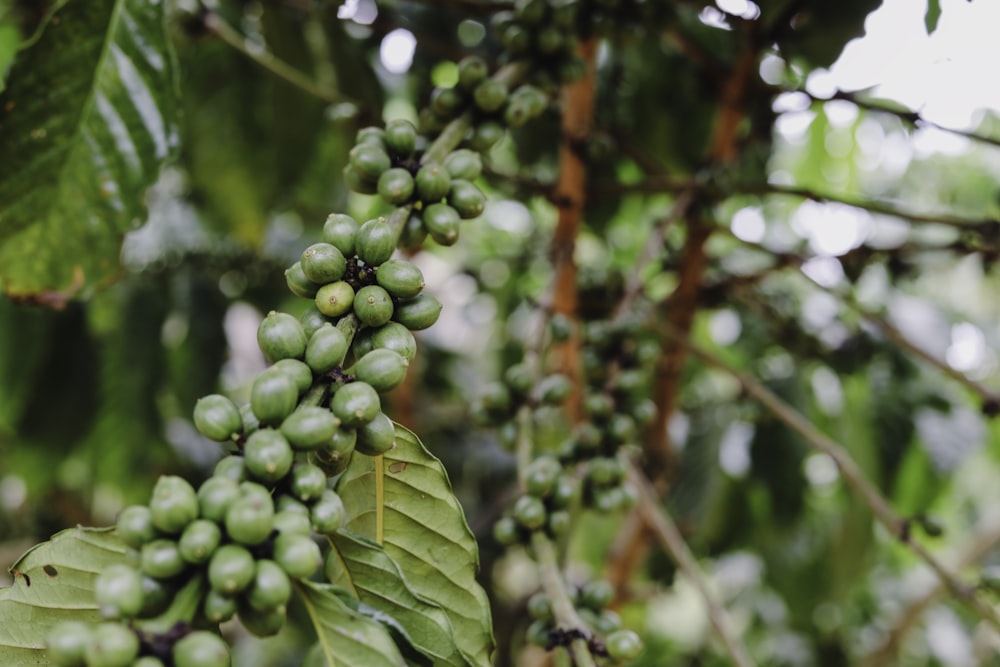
[{"x": 565, "y": 241}]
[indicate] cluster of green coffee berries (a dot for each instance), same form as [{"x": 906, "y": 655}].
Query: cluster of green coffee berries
[
  {"x": 543, "y": 32},
  {"x": 549, "y": 495},
  {"x": 591, "y": 601},
  {"x": 116, "y": 644},
  {"x": 491, "y": 101},
  {"x": 499, "y": 401}
]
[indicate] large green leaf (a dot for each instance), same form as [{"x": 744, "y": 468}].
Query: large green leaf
[
  {"x": 378, "y": 582},
  {"x": 53, "y": 582},
  {"x": 86, "y": 122},
  {"x": 424, "y": 532},
  {"x": 346, "y": 637}
]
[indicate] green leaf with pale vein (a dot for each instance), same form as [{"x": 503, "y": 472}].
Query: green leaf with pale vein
[
  {"x": 346, "y": 637},
  {"x": 425, "y": 533},
  {"x": 379, "y": 583},
  {"x": 53, "y": 582},
  {"x": 86, "y": 121}
]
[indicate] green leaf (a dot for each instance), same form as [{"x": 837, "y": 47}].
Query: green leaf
[
  {"x": 932, "y": 16},
  {"x": 346, "y": 637},
  {"x": 85, "y": 123},
  {"x": 425, "y": 533},
  {"x": 379, "y": 583},
  {"x": 53, "y": 582}
]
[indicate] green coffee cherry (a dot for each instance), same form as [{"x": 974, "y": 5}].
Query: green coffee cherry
[
  {"x": 485, "y": 136},
  {"x": 112, "y": 645},
  {"x": 529, "y": 512},
  {"x": 156, "y": 595},
  {"x": 298, "y": 283},
  {"x": 607, "y": 622},
  {"x": 218, "y": 607},
  {"x": 432, "y": 182},
  {"x": 250, "y": 520},
  {"x": 383, "y": 369},
  {"x": 540, "y": 607},
  {"x": 417, "y": 313},
  {"x": 328, "y": 513},
  {"x": 447, "y": 102},
  {"x": 538, "y": 633},
  {"x": 541, "y": 475},
  {"x": 339, "y": 230},
  {"x": 375, "y": 242},
  {"x": 309, "y": 427},
  {"x": 396, "y": 186},
  {"x": 400, "y": 137},
  {"x": 377, "y": 436},
  {"x": 161, "y": 559},
  {"x": 369, "y": 161},
  {"x": 355, "y": 404},
  {"x": 621, "y": 428},
  {"x": 623, "y": 645},
  {"x": 270, "y": 588},
  {"x": 559, "y": 522},
  {"x": 564, "y": 492},
  {"x": 280, "y": 336},
  {"x": 472, "y": 70},
  {"x": 442, "y": 223},
  {"x": 394, "y": 336},
  {"x": 307, "y": 482},
  {"x": 273, "y": 397},
  {"x": 609, "y": 499},
  {"x": 199, "y": 541},
  {"x": 506, "y": 531},
  {"x": 261, "y": 623},
  {"x": 373, "y": 306},
  {"x": 597, "y": 594},
  {"x": 174, "y": 504},
  {"x": 400, "y": 278},
  {"x": 554, "y": 389},
  {"x": 323, "y": 263},
  {"x": 118, "y": 590},
  {"x": 230, "y": 467},
  {"x": 342, "y": 443},
  {"x": 291, "y": 522},
  {"x": 289, "y": 504},
  {"x": 605, "y": 471},
  {"x": 335, "y": 299},
  {"x": 297, "y": 555},
  {"x": 135, "y": 526},
  {"x": 67, "y": 643},
  {"x": 587, "y": 436},
  {"x": 215, "y": 495},
  {"x": 217, "y": 418},
  {"x": 297, "y": 371},
  {"x": 231, "y": 569},
  {"x": 549, "y": 40},
  {"x": 370, "y": 135},
  {"x": 519, "y": 379},
  {"x": 311, "y": 320},
  {"x": 467, "y": 200},
  {"x": 201, "y": 649},
  {"x": 490, "y": 95},
  {"x": 414, "y": 233},
  {"x": 599, "y": 405},
  {"x": 464, "y": 163},
  {"x": 326, "y": 349}
]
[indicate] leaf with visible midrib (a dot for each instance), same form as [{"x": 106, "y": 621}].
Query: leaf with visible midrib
[
  {"x": 86, "y": 121},
  {"x": 53, "y": 582},
  {"x": 379, "y": 583},
  {"x": 425, "y": 533},
  {"x": 347, "y": 638}
]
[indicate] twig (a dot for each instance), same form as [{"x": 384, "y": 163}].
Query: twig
[
  {"x": 562, "y": 607},
  {"x": 663, "y": 526},
  {"x": 852, "y": 475},
  {"x": 260, "y": 55}
]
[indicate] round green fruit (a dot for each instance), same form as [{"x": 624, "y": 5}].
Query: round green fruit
[
  {"x": 135, "y": 526},
  {"x": 217, "y": 418},
  {"x": 563, "y": 492},
  {"x": 230, "y": 467},
  {"x": 292, "y": 522},
  {"x": 297, "y": 371},
  {"x": 373, "y": 306},
  {"x": 540, "y": 607},
  {"x": 370, "y": 135},
  {"x": 67, "y": 643},
  {"x": 383, "y": 369},
  {"x": 199, "y": 541},
  {"x": 112, "y": 645},
  {"x": 369, "y": 161},
  {"x": 464, "y": 164},
  {"x": 297, "y": 555},
  {"x": 326, "y": 349},
  {"x": 298, "y": 283},
  {"x": 442, "y": 222},
  {"x": 328, "y": 513},
  {"x": 394, "y": 336},
  {"x": 231, "y": 569},
  {"x": 309, "y": 427},
  {"x": 400, "y": 137},
  {"x": 250, "y": 520},
  {"x": 519, "y": 379},
  {"x": 216, "y": 494},
  {"x": 554, "y": 389},
  {"x": 342, "y": 443},
  {"x": 375, "y": 242},
  {"x": 529, "y": 512},
  {"x": 472, "y": 70},
  {"x": 161, "y": 559},
  {"x": 118, "y": 590},
  {"x": 396, "y": 186},
  {"x": 149, "y": 661},
  {"x": 355, "y": 404},
  {"x": 623, "y": 645},
  {"x": 417, "y": 313},
  {"x": 335, "y": 299},
  {"x": 307, "y": 482},
  {"x": 377, "y": 436},
  {"x": 447, "y": 102},
  {"x": 271, "y": 588},
  {"x": 261, "y": 623},
  {"x": 490, "y": 95},
  {"x": 506, "y": 531},
  {"x": 400, "y": 278},
  {"x": 541, "y": 475},
  {"x": 414, "y": 233},
  {"x": 273, "y": 397},
  {"x": 174, "y": 504},
  {"x": 201, "y": 649},
  {"x": 323, "y": 263},
  {"x": 432, "y": 182},
  {"x": 486, "y": 135},
  {"x": 339, "y": 230},
  {"x": 218, "y": 607},
  {"x": 467, "y": 199},
  {"x": 280, "y": 336},
  {"x": 311, "y": 320},
  {"x": 597, "y": 594},
  {"x": 559, "y": 522}
]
